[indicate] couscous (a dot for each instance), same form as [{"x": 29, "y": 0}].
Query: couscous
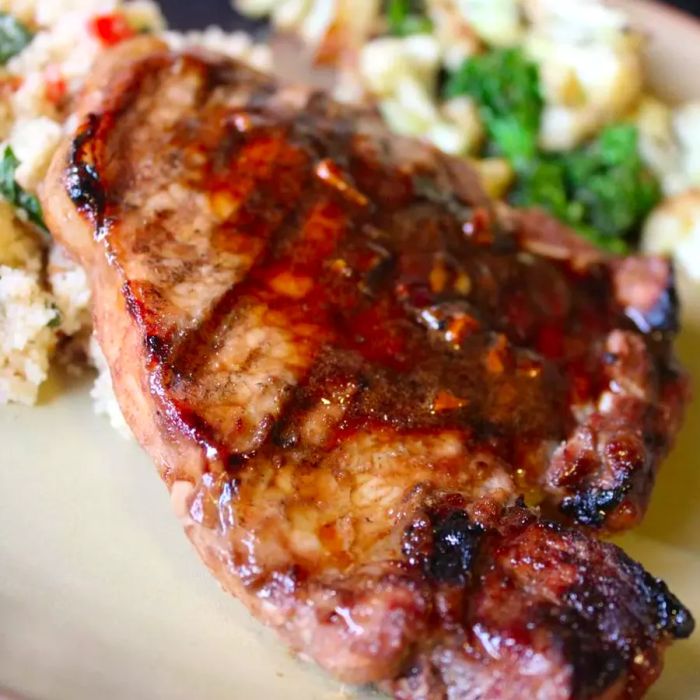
[{"x": 46, "y": 49}]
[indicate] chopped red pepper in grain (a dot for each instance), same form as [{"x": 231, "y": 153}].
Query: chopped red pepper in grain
[
  {"x": 111, "y": 29},
  {"x": 56, "y": 86}
]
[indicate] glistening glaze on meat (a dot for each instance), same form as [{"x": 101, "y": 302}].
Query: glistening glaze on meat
[{"x": 349, "y": 366}]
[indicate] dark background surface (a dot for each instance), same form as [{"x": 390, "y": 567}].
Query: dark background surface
[
  {"x": 184, "y": 14},
  {"x": 689, "y": 5}
]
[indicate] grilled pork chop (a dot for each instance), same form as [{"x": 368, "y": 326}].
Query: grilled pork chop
[{"x": 354, "y": 371}]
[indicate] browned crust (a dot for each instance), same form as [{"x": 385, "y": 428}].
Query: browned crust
[{"x": 416, "y": 602}]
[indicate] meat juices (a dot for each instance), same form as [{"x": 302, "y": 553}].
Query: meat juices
[{"x": 354, "y": 371}]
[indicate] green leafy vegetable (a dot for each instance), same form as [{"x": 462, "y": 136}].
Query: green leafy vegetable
[
  {"x": 506, "y": 88},
  {"x": 611, "y": 182},
  {"x": 55, "y": 322},
  {"x": 406, "y": 17},
  {"x": 603, "y": 190},
  {"x": 14, "y": 36},
  {"x": 15, "y": 194},
  {"x": 544, "y": 183}
]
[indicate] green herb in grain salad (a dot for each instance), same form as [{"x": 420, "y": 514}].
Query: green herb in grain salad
[
  {"x": 16, "y": 195},
  {"x": 14, "y": 36},
  {"x": 47, "y": 48}
]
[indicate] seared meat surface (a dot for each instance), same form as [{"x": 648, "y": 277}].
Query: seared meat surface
[{"x": 353, "y": 372}]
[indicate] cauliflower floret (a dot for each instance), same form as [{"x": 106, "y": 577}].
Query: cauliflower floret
[
  {"x": 658, "y": 144},
  {"x": 260, "y": 8},
  {"x": 454, "y": 33},
  {"x": 590, "y": 66},
  {"x": 330, "y": 27},
  {"x": 388, "y": 61},
  {"x": 497, "y": 22},
  {"x": 674, "y": 229},
  {"x": 402, "y": 73},
  {"x": 585, "y": 88},
  {"x": 459, "y": 130},
  {"x": 576, "y": 21},
  {"x": 670, "y": 143},
  {"x": 686, "y": 123},
  {"x": 290, "y": 14},
  {"x": 144, "y": 14}
]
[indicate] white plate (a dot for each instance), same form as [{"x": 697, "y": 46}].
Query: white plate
[{"x": 102, "y": 597}]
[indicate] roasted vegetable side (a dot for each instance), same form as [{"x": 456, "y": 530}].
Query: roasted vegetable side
[{"x": 601, "y": 189}]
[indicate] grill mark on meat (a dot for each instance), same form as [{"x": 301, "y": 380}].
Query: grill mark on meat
[
  {"x": 271, "y": 259},
  {"x": 253, "y": 290},
  {"x": 309, "y": 263},
  {"x": 413, "y": 272},
  {"x": 82, "y": 181},
  {"x": 351, "y": 364},
  {"x": 270, "y": 233}
]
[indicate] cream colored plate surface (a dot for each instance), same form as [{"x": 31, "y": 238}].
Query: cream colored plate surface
[{"x": 101, "y": 596}]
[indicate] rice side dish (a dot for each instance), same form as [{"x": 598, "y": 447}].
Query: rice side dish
[
  {"x": 547, "y": 98},
  {"x": 47, "y": 47}
]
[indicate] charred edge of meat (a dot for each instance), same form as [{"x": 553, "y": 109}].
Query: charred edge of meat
[
  {"x": 584, "y": 626},
  {"x": 445, "y": 546},
  {"x": 592, "y": 507},
  {"x": 82, "y": 179},
  {"x": 596, "y": 667},
  {"x": 672, "y": 616}
]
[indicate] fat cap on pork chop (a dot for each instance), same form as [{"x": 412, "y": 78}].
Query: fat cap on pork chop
[{"x": 353, "y": 371}]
